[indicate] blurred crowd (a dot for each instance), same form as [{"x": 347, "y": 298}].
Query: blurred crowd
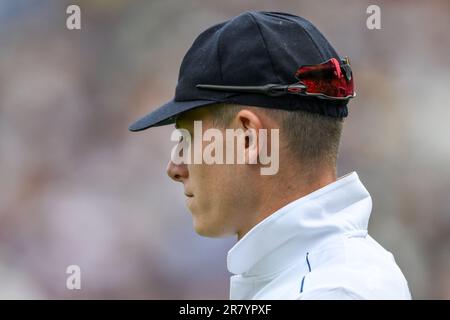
[{"x": 76, "y": 187}]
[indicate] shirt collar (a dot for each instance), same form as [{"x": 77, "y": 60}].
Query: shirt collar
[{"x": 339, "y": 207}]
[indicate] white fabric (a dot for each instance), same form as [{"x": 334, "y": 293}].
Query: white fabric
[{"x": 316, "y": 247}]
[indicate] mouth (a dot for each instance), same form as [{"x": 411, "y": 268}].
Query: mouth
[{"x": 189, "y": 199}]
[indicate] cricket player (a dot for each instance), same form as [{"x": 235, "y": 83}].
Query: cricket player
[{"x": 276, "y": 82}]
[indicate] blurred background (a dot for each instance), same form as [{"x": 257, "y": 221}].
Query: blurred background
[{"x": 77, "y": 188}]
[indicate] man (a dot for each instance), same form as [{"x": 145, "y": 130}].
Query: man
[{"x": 302, "y": 233}]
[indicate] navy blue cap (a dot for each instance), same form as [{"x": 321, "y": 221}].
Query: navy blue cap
[{"x": 251, "y": 49}]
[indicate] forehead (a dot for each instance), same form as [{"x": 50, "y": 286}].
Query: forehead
[{"x": 187, "y": 118}]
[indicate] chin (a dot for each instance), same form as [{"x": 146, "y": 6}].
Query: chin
[
  {"x": 209, "y": 231},
  {"x": 205, "y": 232}
]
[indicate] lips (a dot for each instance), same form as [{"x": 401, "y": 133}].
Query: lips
[{"x": 189, "y": 199}]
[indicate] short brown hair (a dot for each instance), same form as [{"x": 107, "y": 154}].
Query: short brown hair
[{"x": 314, "y": 137}]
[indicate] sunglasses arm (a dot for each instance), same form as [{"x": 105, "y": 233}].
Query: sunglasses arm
[{"x": 272, "y": 90}]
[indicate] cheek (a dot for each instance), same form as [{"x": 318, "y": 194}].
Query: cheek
[
  {"x": 227, "y": 186},
  {"x": 214, "y": 185}
]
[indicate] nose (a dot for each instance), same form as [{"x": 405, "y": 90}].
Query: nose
[{"x": 178, "y": 172}]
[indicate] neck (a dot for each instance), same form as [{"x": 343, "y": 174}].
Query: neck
[{"x": 277, "y": 191}]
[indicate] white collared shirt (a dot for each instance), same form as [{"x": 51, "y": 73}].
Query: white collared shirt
[{"x": 316, "y": 247}]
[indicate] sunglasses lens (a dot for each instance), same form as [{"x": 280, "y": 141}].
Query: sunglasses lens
[{"x": 327, "y": 78}]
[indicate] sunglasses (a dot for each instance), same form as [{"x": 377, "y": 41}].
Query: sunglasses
[{"x": 329, "y": 80}]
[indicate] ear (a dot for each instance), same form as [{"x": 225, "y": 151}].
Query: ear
[{"x": 250, "y": 122}]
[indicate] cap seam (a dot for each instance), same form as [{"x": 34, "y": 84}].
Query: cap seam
[
  {"x": 219, "y": 55},
  {"x": 313, "y": 42},
  {"x": 305, "y": 30},
  {"x": 265, "y": 46}
]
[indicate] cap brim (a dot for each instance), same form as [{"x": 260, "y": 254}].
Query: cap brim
[{"x": 166, "y": 113}]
